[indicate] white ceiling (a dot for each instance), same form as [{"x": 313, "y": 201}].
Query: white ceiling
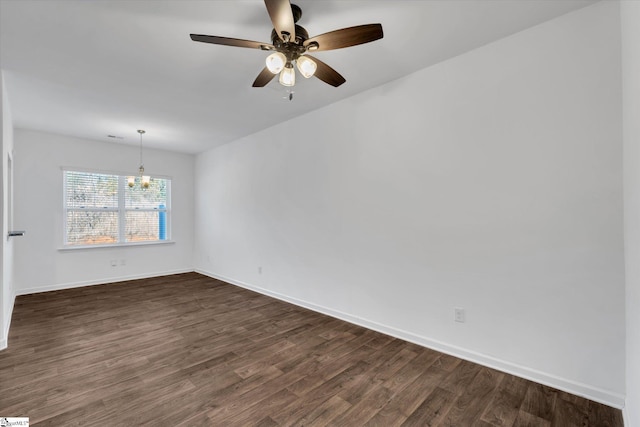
[{"x": 94, "y": 68}]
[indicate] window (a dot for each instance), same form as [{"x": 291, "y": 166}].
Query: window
[{"x": 101, "y": 209}]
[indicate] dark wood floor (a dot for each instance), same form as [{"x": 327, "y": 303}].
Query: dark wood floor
[{"x": 189, "y": 350}]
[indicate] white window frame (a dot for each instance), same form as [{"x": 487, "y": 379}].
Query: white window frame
[{"x": 121, "y": 210}]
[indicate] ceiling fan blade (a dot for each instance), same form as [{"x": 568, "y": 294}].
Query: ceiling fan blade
[
  {"x": 226, "y": 41},
  {"x": 346, "y": 37},
  {"x": 326, "y": 73},
  {"x": 282, "y": 17},
  {"x": 263, "y": 78}
]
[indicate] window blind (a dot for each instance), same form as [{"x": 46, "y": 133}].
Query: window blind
[{"x": 102, "y": 209}]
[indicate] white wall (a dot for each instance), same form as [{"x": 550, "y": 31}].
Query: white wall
[
  {"x": 630, "y": 17},
  {"x": 492, "y": 181},
  {"x": 39, "y": 264},
  {"x": 7, "y": 293}
]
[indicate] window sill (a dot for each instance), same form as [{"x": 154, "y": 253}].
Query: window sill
[{"x": 115, "y": 245}]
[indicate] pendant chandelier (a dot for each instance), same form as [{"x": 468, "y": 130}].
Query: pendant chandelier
[{"x": 144, "y": 179}]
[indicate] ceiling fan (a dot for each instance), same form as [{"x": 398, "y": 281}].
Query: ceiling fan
[{"x": 290, "y": 43}]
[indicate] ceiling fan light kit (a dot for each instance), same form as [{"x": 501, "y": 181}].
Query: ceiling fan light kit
[{"x": 290, "y": 43}]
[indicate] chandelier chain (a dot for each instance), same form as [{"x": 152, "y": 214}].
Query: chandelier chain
[{"x": 140, "y": 131}]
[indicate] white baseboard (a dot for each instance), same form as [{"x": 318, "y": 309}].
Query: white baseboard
[
  {"x": 593, "y": 393},
  {"x": 4, "y": 341},
  {"x": 60, "y": 286}
]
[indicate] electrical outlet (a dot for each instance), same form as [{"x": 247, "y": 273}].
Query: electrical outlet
[
  {"x": 458, "y": 314},
  {"x": 114, "y": 262}
]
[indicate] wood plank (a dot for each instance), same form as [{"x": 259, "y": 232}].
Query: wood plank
[
  {"x": 602, "y": 416},
  {"x": 540, "y": 401},
  {"x": 470, "y": 404},
  {"x": 507, "y": 399},
  {"x": 433, "y": 410},
  {"x": 525, "y": 419},
  {"x": 569, "y": 414}
]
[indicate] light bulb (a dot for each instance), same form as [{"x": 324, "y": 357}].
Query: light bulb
[
  {"x": 276, "y": 61},
  {"x": 131, "y": 180},
  {"x": 287, "y": 76},
  {"x": 306, "y": 66},
  {"x": 145, "y": 181}
]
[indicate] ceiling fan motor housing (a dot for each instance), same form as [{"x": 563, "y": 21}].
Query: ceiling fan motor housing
[
  {"x": 291, "y": 49},
  {"x": 301, "y": 36}
]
